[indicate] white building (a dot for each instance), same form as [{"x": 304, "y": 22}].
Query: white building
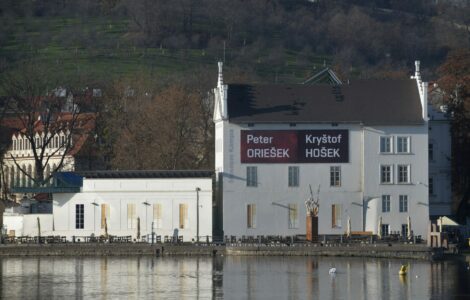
[
  {"x": 126, "y": 201},
  {"x": 58, "y": 150},
  {"x": 364, "y": 145},
  {"x": 440, "y": 172}
]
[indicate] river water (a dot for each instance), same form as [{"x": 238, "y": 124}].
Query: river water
[{"x": 230, "y": 277}]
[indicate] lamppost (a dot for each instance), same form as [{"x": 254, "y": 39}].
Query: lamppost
[
  {"x": 198, "y": 189},
  {"x": 153, "y": 234},
  {"x": 94, "y": 215}
]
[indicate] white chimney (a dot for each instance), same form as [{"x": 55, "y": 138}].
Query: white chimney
[
  {"x": 424, "y": 100},
  {"x": 422, "y": 90},
  {"x": 220, "y": 105},
  {"x": 220, "y": 81},
  {"x": 417, "y": 74}
]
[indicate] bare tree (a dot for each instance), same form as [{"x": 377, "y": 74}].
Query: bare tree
[
  {"x": 454, "y": 81},
  {"x": 45, "y": 107},
  {"x": 147, "y": 125}
]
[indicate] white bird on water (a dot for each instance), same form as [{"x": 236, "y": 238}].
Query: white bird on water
[{"x": 332, "y": 271}]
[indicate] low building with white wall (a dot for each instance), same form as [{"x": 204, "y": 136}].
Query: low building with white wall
[
  {"x": 17, "y": 224},
  {"x": 123, "y": 201},
  {"x": 361, "y": 146}
]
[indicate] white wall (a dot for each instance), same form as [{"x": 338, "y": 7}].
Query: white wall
[
  {"x": 440, "y": 201},
  {"x": 13, "y": 222},
  {"x": 30, "y": 225},
  {"x": 117, "y": 193},
  {"x": 360, "y": 183},
  {"x": 27, "y": 225},
  {"x": 416, "y": 189}
]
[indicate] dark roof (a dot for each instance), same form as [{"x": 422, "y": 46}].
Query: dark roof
[
  {"x": 371, "y": 102},
  {"x": 147, "y": 174},
  {"x": 326, "y": 75}
]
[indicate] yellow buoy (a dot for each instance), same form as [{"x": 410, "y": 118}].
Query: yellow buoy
[{"x": 403, "y": 270}]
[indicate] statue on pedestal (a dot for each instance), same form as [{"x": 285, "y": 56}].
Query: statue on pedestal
[{"x": 312, "y": 205}]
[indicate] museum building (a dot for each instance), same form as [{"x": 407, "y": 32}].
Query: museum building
[{"x": 360, "y": 148}]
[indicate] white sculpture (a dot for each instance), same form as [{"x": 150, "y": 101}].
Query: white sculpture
[{"x": 313, "y": 204}]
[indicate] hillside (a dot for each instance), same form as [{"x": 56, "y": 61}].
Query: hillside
[{"x": 273, "y": 41}]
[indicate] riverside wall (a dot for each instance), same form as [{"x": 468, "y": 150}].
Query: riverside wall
[{"x": 132, "y": 249}]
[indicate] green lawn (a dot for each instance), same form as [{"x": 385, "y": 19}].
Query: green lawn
[{"x": 102, "y": 47}]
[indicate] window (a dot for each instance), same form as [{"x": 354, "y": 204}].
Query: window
[
  {"x": 6, "y": 175},
  {"x": 336, "y": 215},
  {"x": 183, "y": 216},
  {"x": 62, "y": 141},
  {"x": 431, "y": 151},
  {"x": 293, "y": 216},
  {"x": 403, "y": 174},
  {"x": 104, "y": 215},
  {"x": 23, "y": 177},
  {"x": 386, "y": 174},
  {"x": 79, "y": 216},
  {"x": 131, "y": 216},
  {"x": 385, "y": 203},
  {"x": 385, "y": 229},
  {"x": 335, "y": 176},
  {"x": 385, "y": 144},
  {"x": 431, "y": 186},
  {"x": 30, "y": 173},
  {"x": 18, "y": 176},
  {"x": 403, "y": 203},
  {"x": 403, "y": 144},
  {"x": 157, "y": 216},
  {"x": 293, "y": 176},
  {"x": 14, "y": 144},
  {"x": 12, "y": 176},
  {"x": 404, "y": 230},
  {"x": 251, "y": 216},
  {"x": 56, "y": 142},
  {"x": 251, "y": 176}
]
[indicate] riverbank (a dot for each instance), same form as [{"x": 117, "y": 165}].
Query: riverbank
[{"x": 132, "y": 249}]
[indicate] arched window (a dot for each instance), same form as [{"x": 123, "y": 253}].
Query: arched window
[
  {"x": 6, "y": 175},
  {"x": 23, "y": 176},
  {"x": 12, "y": 176},
  {"x": 14, "y": 144},
  {"x": 30, "y": 173},
  {"x": 17, "y": 177}
]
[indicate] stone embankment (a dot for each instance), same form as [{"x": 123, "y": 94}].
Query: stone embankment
[{"x": 131, "y": 249}]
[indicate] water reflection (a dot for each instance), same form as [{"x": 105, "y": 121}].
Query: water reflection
[{"x": 230, "y": 278}]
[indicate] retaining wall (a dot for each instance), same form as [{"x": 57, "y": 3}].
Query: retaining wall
[{"x": 78, "y": 249}]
